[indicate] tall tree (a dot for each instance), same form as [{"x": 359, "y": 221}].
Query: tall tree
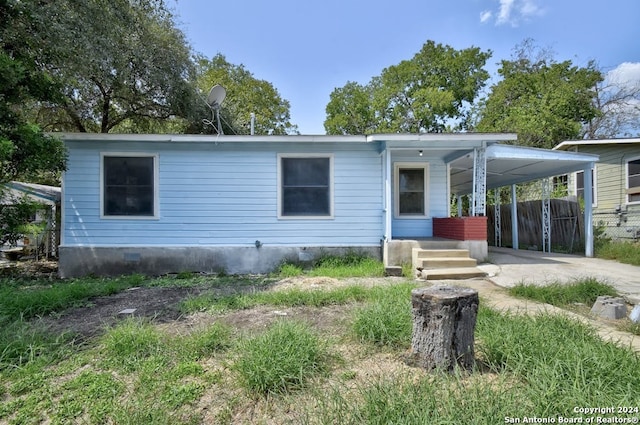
[
  {"x": 119, "y": 62},
  {"x": 543, "y": 101},
  {"x": 26, "y": 153},
  {"x": 350, "y": 110},
  {"x": 431, "y": 92},
  {"x": 246, "y": 95}
]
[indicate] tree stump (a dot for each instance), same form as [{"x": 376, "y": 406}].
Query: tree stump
[{"x": 444, "y": 320}]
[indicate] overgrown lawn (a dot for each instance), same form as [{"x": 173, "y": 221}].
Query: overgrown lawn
[{"x": 287, "y": 371}]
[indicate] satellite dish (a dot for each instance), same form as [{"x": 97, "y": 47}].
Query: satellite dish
[
  {"x": 214, "y": 100},
  {"x": 216, "y": 96}
]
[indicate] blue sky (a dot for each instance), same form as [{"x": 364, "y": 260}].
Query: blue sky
[{"x": 307, "y": 48}]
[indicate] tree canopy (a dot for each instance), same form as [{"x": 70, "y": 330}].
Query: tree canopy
[
  {"x": 543, "y": 101},
  {"x": 26, "y": 153},
  {"x": 245, "y": 95},
  {"x": 431, "y": 92},
  {"x": 118, "y": 62}
]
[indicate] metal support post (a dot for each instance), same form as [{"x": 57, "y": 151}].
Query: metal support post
[
  {"x": 497, "y": 221},
  {"x": 546, "y": 215},
  {"x": 479, "y": 181}
]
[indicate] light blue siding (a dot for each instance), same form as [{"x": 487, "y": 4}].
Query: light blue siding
[
  {"x": 224, "y": 194},
  {"x": 437, "y": 197}
]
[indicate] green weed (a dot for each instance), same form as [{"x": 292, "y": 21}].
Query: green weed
[
  {"x": 204, "y": 343},
  {"x": 288, "y": 298},
  {"x": 289, "y": 270},
  {"x": 130, "y": 343},
  {"x": 29, "y": 299},
  {"x": 584, "y": 291},
  {"x": 561, "y": 359},
  {"x": 282, "y": 359},
  {"x": 386, "y": 320},
  {"x": 22, "y": 343},
  {"x": 348, "y": 265},
  {"x": 624, "y": 252}
]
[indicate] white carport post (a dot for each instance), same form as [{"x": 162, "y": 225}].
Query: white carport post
[
  {"x": 479, "y": 181},
  {"x": 387, "y": 195},
  {"x": 546, "y": 215},
  {"x": 514, "y": 218},
  {"x": 497, "y": 222},
  {"x": 588, "y": 213},
  {"x": 459, "y": 197}
]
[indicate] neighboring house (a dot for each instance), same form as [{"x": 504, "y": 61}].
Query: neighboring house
[
  {"x": 244, "y": 204},
  {"x": 45, "y": 243},
  {"x": 616, "y": 184}
]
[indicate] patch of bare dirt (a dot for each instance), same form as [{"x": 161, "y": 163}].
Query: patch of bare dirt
[
  {"x": 41, "y": 269},
  {"x": 161, "y": 305},
  {"x": 157, "y": 304}
]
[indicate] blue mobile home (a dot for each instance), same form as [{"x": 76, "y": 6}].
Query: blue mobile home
[{"x": 243, "y": 204}]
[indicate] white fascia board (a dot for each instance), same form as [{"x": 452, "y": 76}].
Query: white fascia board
[
  {"x": 205, "y": 138},
  {"x": 519, "y": 152},
  {"x": 443, "y": 137},
  {"x": 569, "y": 143},
  {"x": 208, "y": 138},
  {"x": 269, "y": 139}
]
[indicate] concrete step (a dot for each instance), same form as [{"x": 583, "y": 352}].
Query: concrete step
[
  {"x": 451, "y": 273},
  {"x": 434, "y": 253},
  {"x": 442, "y": 264},
  {"x": 446, "y": 262}
]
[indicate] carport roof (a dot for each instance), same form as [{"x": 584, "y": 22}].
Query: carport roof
[{"x": 508, "y": 164}]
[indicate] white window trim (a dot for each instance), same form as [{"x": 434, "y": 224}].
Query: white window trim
[
  {"x": 156, "y": 210},
  {"x": 594, "y": 183},
  {"x": 396, "y": 189},
  {"x": 281, "y": 156},
  {"x": 626, "y": 181}
]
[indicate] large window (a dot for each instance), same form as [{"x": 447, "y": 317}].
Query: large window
[
  {"x": 633, "y": 180},
  {"x": 411, "y": 190},
  {"x": 305, "y": 186},
  {"x": 129, "y": 186}
]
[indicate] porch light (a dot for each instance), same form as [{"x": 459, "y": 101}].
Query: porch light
[{"x": 420, "y": 152}]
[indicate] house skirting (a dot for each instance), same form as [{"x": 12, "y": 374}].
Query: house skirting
[{"x": 154, "y": 261}]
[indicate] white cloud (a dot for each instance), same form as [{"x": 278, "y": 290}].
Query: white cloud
[
  {"x": 512, "y": 12},
  {"x": 506, "y": 8},
  {"x": 627, "y": 73},
  {"x": 485, "y": 16}
]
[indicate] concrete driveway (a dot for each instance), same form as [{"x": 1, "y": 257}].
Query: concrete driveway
[{"x": 507, "y": 267}]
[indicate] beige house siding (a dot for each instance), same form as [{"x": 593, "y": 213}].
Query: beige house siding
[{"x": 611, "y": 209}]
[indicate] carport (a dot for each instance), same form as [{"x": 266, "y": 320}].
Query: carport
[{"x": 476, "y": 172}]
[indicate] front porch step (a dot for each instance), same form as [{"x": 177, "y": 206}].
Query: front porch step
[
  {"x": 432, "y": 253},
  {"x": 446, "y": 262},
  {"x": 442, "y": 258},
  {"x": 441, "y": 264}
]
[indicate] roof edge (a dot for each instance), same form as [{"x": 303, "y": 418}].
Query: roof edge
[
  {"x": 434, "y": 137},
  {"x": 568, "y": 143},
  {"x": 206, "y": 138},
  {"x": 324, "y": 138}
]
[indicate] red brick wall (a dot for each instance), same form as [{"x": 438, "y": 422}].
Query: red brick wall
[{"x": 461, "y": 228}]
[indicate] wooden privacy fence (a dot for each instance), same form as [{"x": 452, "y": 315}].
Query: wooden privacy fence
[{"x": 567, "y": 225}]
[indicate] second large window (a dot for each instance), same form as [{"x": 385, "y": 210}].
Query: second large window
[{"x": 305, "y": 186}]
